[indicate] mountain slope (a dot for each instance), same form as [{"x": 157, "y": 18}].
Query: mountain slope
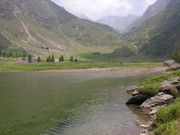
[
  {"x": 159, "y": 35},
  {"x": 37, "y": 25},
  {"x": 118, "y": 23},
  {"x": 154, "y": 9}
]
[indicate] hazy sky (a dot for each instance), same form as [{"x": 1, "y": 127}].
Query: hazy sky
[{"x": 96, "y": 9}]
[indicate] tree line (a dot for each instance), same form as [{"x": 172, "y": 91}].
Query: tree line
[
  {"x": 51, "y": 58},
  {"x": 24, "y": 55},
  {"x": 11, "y": 54}
]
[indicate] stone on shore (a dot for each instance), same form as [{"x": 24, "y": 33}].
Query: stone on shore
[
  {"x": 172, "y": 65},
  {"x": 132, "y": 89},
  {"x": 171, "y": 86},
  {"x": 158, "y": 100},
  {"x": 137, "y": 99},
  {"x": 169, "y": 63},
  {"x": 175, "y": 66}
]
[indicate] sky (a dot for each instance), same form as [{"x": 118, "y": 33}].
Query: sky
[{"x": 95, "y": 9}]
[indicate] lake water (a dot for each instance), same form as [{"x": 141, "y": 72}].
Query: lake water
[{"x": 54, "y": 103}]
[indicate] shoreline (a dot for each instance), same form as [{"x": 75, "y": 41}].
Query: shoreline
[{"x": 122, "y": 70}]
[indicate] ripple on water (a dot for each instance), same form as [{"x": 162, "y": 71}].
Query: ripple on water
[{"x": 109, "y": 118}]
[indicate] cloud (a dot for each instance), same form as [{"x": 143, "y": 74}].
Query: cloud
[{"x": 96, "y": 9}]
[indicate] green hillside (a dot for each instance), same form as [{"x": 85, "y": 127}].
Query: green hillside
[
  {"x": 159, "y": 35},
  {"x": 43, "y": 28}
]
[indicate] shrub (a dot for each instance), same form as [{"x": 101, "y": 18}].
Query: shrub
[
  {"x": 176, "y": 56},
  {"x": 38, "y": 59}
]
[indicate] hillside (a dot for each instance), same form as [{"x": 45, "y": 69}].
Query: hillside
[
  {"x": 154, "y": 9},
  {"x": 158, "y": 36},
  {"x": 118, "y": 23},
  {"x": 42, "y": 27}
]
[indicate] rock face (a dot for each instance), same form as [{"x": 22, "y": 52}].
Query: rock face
[
  {"x": 132, "y": 89},
  {"x": 137, "y": 99},
  {"x": 158, "y": 100}
]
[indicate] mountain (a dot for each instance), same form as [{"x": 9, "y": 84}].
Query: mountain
[
  {"x": 152, "y": 10},
  {"x": 84, "y": 17},
  {"x": 118, "y": 23},
  {"x": 158, "y": 36},
  {"x": 42, "y": 27}
]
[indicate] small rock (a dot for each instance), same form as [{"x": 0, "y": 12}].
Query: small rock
[
  {"x": 135, "y": 93},
  {"x": 153, "y": 112},
  {"x": 132, "y": 89},
  {"x": 144, "y": 132},
  {"x": 144, "y": 126}
]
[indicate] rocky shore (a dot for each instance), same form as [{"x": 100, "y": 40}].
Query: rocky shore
[{"x": 166, "y": 93}]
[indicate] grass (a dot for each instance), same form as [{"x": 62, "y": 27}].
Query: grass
[
  {"x": 168, "y": 119},
  {"x": 152, "y": 85},
  {"x": 9, "y": 64},
  {"x": 12, "y": 66}
]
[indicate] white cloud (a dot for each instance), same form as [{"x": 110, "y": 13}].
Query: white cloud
[{"x": 96, "y": 9}]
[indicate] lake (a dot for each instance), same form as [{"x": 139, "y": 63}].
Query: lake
[{"x": 55, "y": 103}]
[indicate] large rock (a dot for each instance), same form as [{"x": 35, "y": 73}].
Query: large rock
[
  {"x": 132, "y": 89},
  {"x": 169, "y": 63},
  {"x": 137, "y": 99},
  {"x": 175, "y": 66},
  {"x": 171, "y": 86},
  {"x": 172, "y": 65},
  {"x": 158, "y": 100}
]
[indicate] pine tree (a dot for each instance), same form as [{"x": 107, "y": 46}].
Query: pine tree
[
  {"x": 71, "y": 58},
  {"x": 0, "y": 53},
  {"x": 52, "y": 58},
  {"x": 38, "y": 59},
  {"x": 48, "y": 59},
  {"x": 61, "y": 59},
  {"x": 76, "y": 60},
  {"x": 29, "y": 58}
]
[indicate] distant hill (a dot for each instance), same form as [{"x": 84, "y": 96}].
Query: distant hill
[
  {"x": 118, "y": 23},
  {"x": 42, "y": 27},
  {"x": 158, "y": 36}
]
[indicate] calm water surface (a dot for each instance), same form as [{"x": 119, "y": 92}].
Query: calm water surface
[{"x": 52, "y": 103}]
